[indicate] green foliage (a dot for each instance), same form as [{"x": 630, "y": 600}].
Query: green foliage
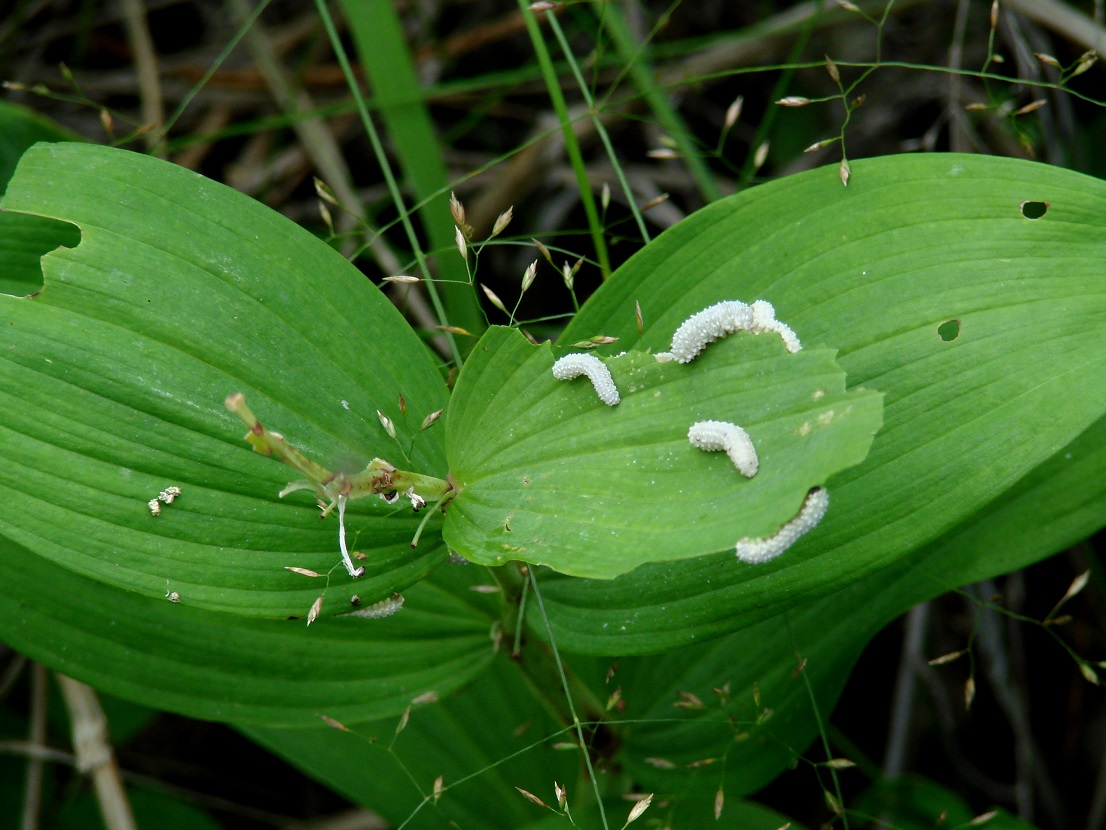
[
  {"x": 606, "y": 489},
  {"x": 182, "y": 292},
  {"x": 23, "y": 239}
]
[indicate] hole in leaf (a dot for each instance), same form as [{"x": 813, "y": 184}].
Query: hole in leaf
[
  {"x": 1034, "y": 210},
  {"x": 949, "y": 330},
  {"x": 27, "y": 240}
]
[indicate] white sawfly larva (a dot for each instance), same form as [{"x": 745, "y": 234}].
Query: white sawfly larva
[
  {"x": 713, "y": 436},
  {"x": 378, "y": 610},
  {"x": 574, "y": 365},
  {"x": 721, "y": 319},
  {"x": 756, "y": 551},
  {"x": 764, "y": 320}
]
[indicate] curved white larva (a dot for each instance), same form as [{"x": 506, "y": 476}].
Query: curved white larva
[
  {"x": 756, "y": 551},
  {"x": 716, "y": 321},
  {"x": 574, "y": 365},
  {"x": 708, "y": 325},
  {"x": 721, "y": 435},
  {"x": 764, "y": 319},
  {"x": 378, "y": 610}
]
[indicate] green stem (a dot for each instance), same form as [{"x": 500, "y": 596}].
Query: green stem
[{"x": 572, "y": 147}]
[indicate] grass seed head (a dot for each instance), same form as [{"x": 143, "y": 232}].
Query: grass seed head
[
  {"x": 529, "y": 275},
  {"x": 503, "y": 220},
  {"x": 316, "y": 607},
  {"x": 456, "y": 209},
  {"x": 639, "y": 808},
  {"x": 733, "y": 111},
  {"x": 493, "y": 298}
]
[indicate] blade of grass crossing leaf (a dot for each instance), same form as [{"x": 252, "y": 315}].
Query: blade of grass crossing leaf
[
  {"x": 572, "y": 147},
  {"x": 632, "y": 55},
  {"x": 383, "y": 52},
  {"x": 600, "y": 130}
]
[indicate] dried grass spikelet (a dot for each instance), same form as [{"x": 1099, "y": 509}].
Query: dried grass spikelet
[
  {"x": 757, "y": 551},
  {"x": 713, "y": 436},
  {"x": 573, "y": 365}
]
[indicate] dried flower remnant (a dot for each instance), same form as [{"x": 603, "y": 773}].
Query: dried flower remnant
[
  {"x": 757, "y": 551},
  {"x": 334, "y": 490},
  {"x": 574, "y": 365},
  {"x": 712, "y": 436}
]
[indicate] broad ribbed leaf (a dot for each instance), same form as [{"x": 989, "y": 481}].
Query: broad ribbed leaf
[
  {"x": 23, "y": 239},
  {"x": 113, "y": 378},
  {"x": 550, "y": 475},
  {"x": 231, "y": 668},
  {"x": 880, "y": 270}
]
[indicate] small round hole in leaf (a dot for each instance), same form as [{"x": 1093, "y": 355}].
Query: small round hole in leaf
[
  {"x": 1034, "y": 210},
  {"x": 949, "y": 330}
]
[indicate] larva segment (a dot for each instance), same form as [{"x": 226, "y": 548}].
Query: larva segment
[
  {"x": 378, "y": 610},
  {"x": 756, "y": 551},
  {"x": 721, "y": 319},
  {"x": 713, "y": 436},
  {"x": 764, "y": 320},
  {"x": 574, "y": 365}
]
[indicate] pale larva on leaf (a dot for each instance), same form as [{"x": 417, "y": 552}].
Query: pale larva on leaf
[
  {"x": 721, "y": 319},
  {"x": 756, "y": 551},
  {"x": 713, "y": 436},
  {"x": 574, "y": 365},
  {"x": 378, "y": 610}
]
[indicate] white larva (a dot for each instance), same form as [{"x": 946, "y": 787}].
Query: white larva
[
  {"x": 764, "y": 320},
  {"x": 713, "y": 436},
  {"x": 722, "y": 319},
  {"x": 756, "y": 551},
  {"x": 574, "y": 365},
  {"x": 379, "y": 610}
]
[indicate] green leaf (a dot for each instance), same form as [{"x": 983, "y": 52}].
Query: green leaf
[
  {"x": 876, "y": 269},
  {"x": 549, "y": 475},
  {"x": 181, "y": 292},
  {"x": 23, "y": 239},
  {"x": 230, "y": 668},
  {"x": 915, "y": 803},
  {"x": 483, "y": 742}
]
